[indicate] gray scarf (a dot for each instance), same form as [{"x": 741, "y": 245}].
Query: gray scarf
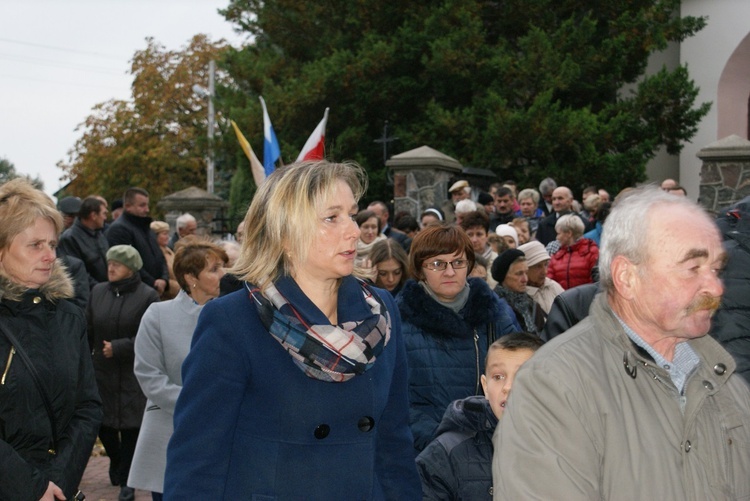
[{"x": 458, "y": 302}]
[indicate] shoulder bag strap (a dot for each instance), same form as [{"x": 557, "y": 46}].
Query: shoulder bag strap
[{"x": 37, "y": 382}]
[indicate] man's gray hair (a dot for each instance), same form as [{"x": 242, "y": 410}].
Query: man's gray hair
[
  {"x": 547, "y": 186},
  {"x": 184, "y": 219},
  {"x": 626, "y": 230}
]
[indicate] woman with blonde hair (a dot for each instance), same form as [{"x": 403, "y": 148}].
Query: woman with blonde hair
[
  {"x": 295, "y": 387},
  {"x": 49, "y": 403}
]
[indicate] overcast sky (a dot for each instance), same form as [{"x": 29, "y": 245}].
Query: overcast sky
[{"x": 58, "y": 58}]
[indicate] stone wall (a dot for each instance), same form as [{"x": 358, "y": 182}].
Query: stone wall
[
  {"x": 725, "y": 173},
  {"x": 204, "y": 206}
]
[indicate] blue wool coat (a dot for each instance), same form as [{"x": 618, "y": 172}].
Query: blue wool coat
[
  {"x": 249, "y": 424},
  {"x": 446, "y": 351}
]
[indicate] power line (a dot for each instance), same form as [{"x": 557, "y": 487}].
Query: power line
[
  {"x": 73, "y": 84},
  {"x": 62, "y": 49},
  {"x": 60, "y": 64}
]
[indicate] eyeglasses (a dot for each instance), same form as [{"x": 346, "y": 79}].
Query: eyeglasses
[{"x": 456, "y": 264}]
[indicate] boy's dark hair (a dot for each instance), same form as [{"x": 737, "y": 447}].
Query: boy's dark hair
[{"x": 515, "y": 341}]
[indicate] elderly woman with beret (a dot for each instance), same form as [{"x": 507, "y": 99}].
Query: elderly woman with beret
[
  {"x": 511, "y": 271},
  {"x": 114, "y": 314},
  {"x": 295, "y": 387},
  {"x": 49, "y": 404}
]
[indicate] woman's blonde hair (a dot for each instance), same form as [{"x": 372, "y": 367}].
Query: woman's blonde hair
[
  {"x": 20, "y": 205},
  {"x": 283, "y": 217}
]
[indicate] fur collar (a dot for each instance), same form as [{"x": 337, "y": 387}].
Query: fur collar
[
  {"x": 420, "y": 310},
  {"x": 59, "y": 286}
]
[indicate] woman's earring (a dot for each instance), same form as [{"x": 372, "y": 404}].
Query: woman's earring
[{"x": 194, "y": 285}]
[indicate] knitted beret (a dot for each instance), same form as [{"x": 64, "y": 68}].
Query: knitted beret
[{"x": 127, "y": 255}]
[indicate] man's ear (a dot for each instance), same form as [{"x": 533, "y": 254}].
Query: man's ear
[{"x": 624, "y": 276}]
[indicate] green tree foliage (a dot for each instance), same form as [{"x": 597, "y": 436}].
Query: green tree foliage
[
  {"x": 526, "y": 88},
  {"x": 157, "y": 140},
  {"x": 8, "y": 172}
]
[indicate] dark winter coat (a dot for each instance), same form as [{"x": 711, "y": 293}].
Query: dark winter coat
[
  {"x": 572, "y": 265},
  {"x": 90, "y": 246},
  {"x": 114, "y": 315},
  {"x": 53, "y": 334},
  {"x": 136, "y": 231},
  {"x": 77, "y": 273},
  {"x": 446, "y": 351},
  {"x": 730, "y": 324},
  {"x": 568, "y": 309},
  {"x": 458, "y": 463}
]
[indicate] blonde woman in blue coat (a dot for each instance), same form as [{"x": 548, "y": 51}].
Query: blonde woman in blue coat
[
  {"x": 162, "y": 343},
  {"x": 295, "y": 387}
]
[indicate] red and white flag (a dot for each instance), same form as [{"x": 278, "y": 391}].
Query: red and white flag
[{"x": 314, "y": 148}]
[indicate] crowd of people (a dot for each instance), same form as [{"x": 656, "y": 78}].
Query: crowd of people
[{"x": 336, "y": 351}]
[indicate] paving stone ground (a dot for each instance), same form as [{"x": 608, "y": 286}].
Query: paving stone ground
[{"x": 95, "y": 483}]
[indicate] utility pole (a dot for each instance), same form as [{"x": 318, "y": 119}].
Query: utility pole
[
  {"x": 209, "y": 94},
  {"x": 210, "y": 161}
]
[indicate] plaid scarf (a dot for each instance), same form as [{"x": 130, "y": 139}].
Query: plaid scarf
[{"x": 326, "y": 352}]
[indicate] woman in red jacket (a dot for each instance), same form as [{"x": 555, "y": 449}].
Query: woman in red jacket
[{"x": 572, "y": 264}]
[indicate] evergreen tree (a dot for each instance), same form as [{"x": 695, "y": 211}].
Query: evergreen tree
[{"x": 526, "y": 88}]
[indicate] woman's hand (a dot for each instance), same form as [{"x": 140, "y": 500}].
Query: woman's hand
[
  {"x": 107, "y": 349},
  {"x": 53, "y": 492}
]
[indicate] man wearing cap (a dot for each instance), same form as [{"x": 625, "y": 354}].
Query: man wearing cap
[
  {"x": 86, "y": 241},
  {"x": 69, "y": 207},
  {"x": 133, "y": 227},
  {"x": 540, "y": 287},
  {"x": 459, "y": 190}
]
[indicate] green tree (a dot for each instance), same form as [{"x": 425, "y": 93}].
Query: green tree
[
  {"x": 156, "y": 140},
  {"x": 526, "y": 88},
  {"x": 8, "y": 172}
]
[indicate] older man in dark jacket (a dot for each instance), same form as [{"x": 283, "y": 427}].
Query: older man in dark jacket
[
  {"x": 134, "y": 228},
  {"x": 86, "y": 241}
]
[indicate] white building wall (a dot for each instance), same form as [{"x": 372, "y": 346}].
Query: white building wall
[{"x": 706, "y": 55}]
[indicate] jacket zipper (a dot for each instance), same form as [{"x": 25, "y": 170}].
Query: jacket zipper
[
  {"x": 7, "y": 365},
  {"x": 476, "y": 352}
]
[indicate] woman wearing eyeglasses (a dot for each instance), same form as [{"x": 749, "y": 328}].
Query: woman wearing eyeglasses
[{"x": 448, "y": 323}]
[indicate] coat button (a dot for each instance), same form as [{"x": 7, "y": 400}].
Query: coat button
[
  {"x": 37, "y": 300},
  {"x": 720, "y": 369},
  {"x": 707, "y": 385},
  {"x": 688, "y": 446},
  {"x": 322, "y": 431},
  {"x": 366, "y": 424}
]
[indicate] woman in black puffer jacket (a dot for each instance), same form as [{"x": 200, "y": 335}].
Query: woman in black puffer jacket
[
  {"x": 114, "y": 315},
  {"x": 35, "y": 461}
]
